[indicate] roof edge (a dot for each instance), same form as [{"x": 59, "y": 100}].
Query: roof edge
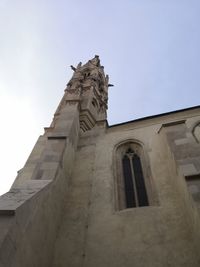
[{"x": 155, "y": 116}]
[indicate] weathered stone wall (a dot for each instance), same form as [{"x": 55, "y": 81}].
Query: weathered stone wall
[
  {"x": 94, "y": 233},
  {"x": 71, "y": 241},
  {"x": 62, "y": 208},
  {"x": 30, "y": 213},
  {"x": 184, "y": 151},
  {"x": 62, "y": 212}
]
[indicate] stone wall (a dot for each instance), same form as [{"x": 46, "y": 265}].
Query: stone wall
[
  {"x": 95, "y": 233},
  {"x": 31, "y": 212},
  {"x": 184, "y": 150},
  {"x": 61, "y": 210}
]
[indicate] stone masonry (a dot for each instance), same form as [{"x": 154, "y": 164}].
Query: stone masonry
[{"x": 62, "y": 209}]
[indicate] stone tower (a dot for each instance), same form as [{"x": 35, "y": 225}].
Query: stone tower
[{"x": 105, "y": 196}]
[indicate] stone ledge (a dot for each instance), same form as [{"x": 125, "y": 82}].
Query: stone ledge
[
  {"x": 18, "y": 195},
  {"x": 171, "y": 123}
]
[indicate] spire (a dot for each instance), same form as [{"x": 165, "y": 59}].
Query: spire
[{"x": 89, "y": 86}]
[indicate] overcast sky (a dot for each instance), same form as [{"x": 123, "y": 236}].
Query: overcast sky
[{"x": 149, "y": 48}]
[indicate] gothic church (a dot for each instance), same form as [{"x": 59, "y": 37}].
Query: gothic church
[{"x": 94, "y": 195}]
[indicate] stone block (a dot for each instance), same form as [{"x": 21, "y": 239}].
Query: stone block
[
  {"x": 188, "y": 169},
  {"x": 182, "y": 141}
]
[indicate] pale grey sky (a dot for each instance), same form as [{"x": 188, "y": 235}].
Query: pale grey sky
[{"x": 150, "y": 49}]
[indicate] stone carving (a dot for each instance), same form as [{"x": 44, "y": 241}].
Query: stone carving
[
  {"x": 73, "y": 68},
  {"x": 88, "y": 81},
  {"x": 75, "y": 91},
  {"x": 95, "y": 61},
  {"x": 72, "y": 102},
  {"x": 79, "y": 65}
]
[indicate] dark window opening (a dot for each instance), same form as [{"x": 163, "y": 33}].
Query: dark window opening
[
  {"x": 128, "y": 182},
  {"x": 135, "y": 190},
  {"x": 94, "y": 102},
  {"x": 86, "y": 74}
]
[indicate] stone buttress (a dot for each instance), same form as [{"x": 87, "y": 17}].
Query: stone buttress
[{"x": 31, "y": 212}]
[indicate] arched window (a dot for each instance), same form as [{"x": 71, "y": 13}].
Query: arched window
[
  {"x": 131, "y": 183},
  {"x": 196, "y": 132},
  {"x": 135, "y": 191}
]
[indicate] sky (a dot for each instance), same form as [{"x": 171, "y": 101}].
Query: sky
[{"x": 149, "y": 48}]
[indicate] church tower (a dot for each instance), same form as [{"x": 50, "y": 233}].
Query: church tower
[
  {"x": 91, "y": 194},
  {"x": 87, "y": 89},
  {"x": 89, "y": 86}
]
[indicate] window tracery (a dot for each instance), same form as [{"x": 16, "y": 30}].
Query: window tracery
[{"x": 131, "y": 183}]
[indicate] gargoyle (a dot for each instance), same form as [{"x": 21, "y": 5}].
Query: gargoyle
[{"x": 73, "y": 68}]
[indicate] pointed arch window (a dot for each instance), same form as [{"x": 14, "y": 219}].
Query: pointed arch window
[
  {"x": 133, "y": 186},
  {"x": 135, "y": 190},
  {"x": 196, "y": 132}
]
